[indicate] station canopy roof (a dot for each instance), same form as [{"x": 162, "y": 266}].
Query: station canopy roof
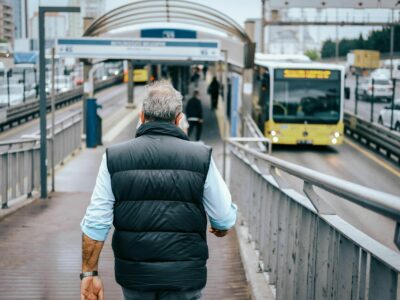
[{"x": 278, "y": 4}]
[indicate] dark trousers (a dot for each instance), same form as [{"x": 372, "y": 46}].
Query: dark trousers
[
  {"x": 136, "y": 295},
  {"x": 214, "y": 101},
  {"x": 198, "y": 125}
]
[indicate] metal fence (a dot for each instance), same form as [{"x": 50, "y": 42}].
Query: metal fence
[
  {"x": 307, "y": 250},
  {"x": 19, "y": 163}
]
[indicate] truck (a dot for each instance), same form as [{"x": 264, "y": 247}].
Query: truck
[{"x": 362, "y": 61}]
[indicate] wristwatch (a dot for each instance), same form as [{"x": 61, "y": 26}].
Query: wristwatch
[{"x": 88, "y": 274}]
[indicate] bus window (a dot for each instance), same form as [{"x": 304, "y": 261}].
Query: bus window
[
  {"x": 311, "y": 96},
  {"x": 264, "y": 95}
]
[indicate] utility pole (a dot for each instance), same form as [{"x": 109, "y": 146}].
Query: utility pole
[{"x": 42, "y": 92}]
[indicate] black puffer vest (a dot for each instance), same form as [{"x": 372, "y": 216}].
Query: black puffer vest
[{"x": 160, "y": 223}]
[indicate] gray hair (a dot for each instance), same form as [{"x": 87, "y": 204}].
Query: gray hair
[{"x": 162, "y": 102}]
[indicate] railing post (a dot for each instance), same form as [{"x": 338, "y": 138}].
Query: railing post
[
  {"x": 356, "y": 96},
  {"x": 392, "y": 105},
  {"x": 4, "y": 196},
  {"x": 372, "y": 101}
]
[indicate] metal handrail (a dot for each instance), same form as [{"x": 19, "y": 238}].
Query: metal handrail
[
  {"x": 377, "y": 201},
  {"x": 256, "y": 132}
]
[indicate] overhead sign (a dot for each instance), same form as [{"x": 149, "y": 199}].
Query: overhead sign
[
  {"x": 275, "y": 4},
  {"x": 143, "y": 49}
]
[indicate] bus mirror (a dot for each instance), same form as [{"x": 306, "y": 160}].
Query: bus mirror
[{"x": 347, "y": 93}]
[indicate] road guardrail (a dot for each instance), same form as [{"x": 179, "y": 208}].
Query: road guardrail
[
  {"x": 374, "y": 136},
  {"x": 29, "y": 110},
  {"x": 19, "y": 159},
  {"x": 304, "y": 247}
]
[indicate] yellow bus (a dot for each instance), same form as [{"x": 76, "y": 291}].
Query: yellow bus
[
  {"x": 299, "y": 102},
  {"x": 140, "y": 74}
]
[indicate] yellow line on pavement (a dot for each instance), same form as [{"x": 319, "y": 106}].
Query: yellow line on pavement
[{"x": 373, "y": 157}]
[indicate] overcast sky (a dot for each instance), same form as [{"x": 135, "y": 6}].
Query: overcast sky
[{"x": 240, "y": 10}]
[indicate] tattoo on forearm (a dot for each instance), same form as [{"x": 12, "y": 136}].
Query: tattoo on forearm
[{"x": 90, "y": 253}]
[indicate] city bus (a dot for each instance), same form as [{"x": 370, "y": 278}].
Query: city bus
[
  {"x": 299, "y": 102},
  {"x": 140, "y": 74}
]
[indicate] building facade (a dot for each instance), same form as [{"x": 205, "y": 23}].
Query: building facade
[
  {"x": 89, "y": 9},
  {"x": 6, "y": 22},
  {"x": 55, "y": 25}
]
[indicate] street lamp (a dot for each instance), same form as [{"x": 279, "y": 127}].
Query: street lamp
[{"x": 42, "y": 92}]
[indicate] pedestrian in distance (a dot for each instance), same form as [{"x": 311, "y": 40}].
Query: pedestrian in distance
[
  {"x": 213, "y": 90},
  {"x": 194, "y": 114},
  {"x": 205, "y": 69},
  {"x": 157, "y": 190}
]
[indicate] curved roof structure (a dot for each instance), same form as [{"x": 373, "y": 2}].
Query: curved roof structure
[{"x": 169, "y": 11}]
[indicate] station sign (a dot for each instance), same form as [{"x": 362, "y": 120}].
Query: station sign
[{"x": 140, "y": 49}]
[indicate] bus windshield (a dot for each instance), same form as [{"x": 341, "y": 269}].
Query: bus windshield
[{"x": 311, "y": 96}]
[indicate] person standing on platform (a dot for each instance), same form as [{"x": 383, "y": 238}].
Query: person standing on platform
[
  {"x": 157, "y": 190},
  {"x": 194, "y": 114},
  {"x": 213, "y": 91},
  {"x": 205, "y": 69}
]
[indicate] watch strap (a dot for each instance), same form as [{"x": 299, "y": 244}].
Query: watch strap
[{"x": 88, "y": 274}]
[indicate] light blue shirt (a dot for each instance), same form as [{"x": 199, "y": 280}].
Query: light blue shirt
[{"x": 99, "y": 215}]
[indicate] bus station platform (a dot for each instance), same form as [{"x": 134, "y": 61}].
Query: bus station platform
[{"x": 49, "y": 230}]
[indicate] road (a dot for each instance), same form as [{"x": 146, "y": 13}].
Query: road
[{"x": 364, "y": 107}]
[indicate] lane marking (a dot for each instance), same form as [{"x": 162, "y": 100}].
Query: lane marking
[
  {"x": 372, "y": 157},
  {"x": 121, "y": 125}
]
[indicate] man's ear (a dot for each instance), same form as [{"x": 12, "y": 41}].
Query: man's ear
[
  {"x": 178, "y": 119},
  {"x": 142, "y": 117}
]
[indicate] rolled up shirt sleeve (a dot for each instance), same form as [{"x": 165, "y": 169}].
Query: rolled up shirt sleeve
[
  {"x": 217, "y": 200},
  {"x": 99, "y": 214}
]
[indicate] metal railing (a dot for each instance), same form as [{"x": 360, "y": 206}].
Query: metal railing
[
  {"x": 19, "y": 163},
  {"x": 373, "y": 136},
  {"x": 25, "y": 111},
  {"x": 250, "y": 129},
  {"x": 307, "y": 250}
]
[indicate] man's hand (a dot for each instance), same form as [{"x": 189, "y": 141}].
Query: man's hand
[
  {"x": 217, "y": 232},
  {"x": 92, "y": 288}
]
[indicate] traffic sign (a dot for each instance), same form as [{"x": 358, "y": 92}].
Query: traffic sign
[{"x": 143, "y": 49}]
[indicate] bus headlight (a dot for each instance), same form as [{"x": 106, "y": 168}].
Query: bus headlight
[
  {"x": 334, "y": 141},
  {"x": 336, "y": 134},
  {"x": 275, "y": 139},
  {"x": 273, "y": 133}
]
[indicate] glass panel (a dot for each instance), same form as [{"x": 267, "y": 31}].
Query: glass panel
[{"x": 311, "y": 100}]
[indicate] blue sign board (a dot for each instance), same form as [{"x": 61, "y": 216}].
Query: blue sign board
[{"x": 169, "y": 33}]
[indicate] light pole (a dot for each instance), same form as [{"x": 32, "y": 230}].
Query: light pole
[
  {"x": 42, "y": 92},
  {"x": 262, "y": 26}
]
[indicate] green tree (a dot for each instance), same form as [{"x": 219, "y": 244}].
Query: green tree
[
  {"x": 328, "y": 49},
  {"x": 312, "y": 54}
]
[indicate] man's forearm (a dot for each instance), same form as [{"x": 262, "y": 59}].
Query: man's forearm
[{"x": 90, "y": 253}]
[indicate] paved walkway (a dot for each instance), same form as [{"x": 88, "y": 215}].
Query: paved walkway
[{"x": 40, "y": 244}]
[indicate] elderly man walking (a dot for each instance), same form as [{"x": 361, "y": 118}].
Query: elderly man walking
[{"x": 157, "y": 190}]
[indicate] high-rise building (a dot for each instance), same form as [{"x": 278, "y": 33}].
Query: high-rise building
[
  {"x": 55, "y": 25},
  {"x": 6, "y": 22},
  {"x": 19, "y": 17},
  {"x": 89, "y": 8}
]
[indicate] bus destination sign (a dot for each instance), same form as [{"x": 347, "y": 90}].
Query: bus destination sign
[{"x": 306, "y": 74}]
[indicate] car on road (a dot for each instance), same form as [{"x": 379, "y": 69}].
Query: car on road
[
  {"x": 14, "y": 94},
  {"x": 61, "y": 84},
  {"x": 385, "y": 116},
  {"x": 377, "y": 85}
]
